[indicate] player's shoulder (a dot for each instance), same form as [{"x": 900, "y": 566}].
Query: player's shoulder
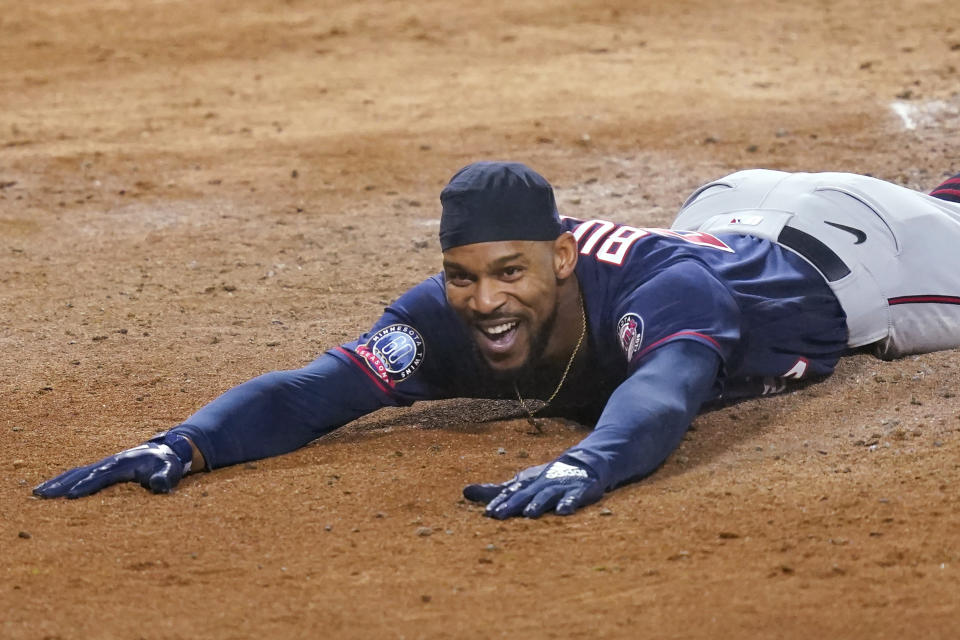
[
  {"x": 624, "y": 252},
  {"x": 424, "y": 307},
  {"x": 428, "y": 295}
]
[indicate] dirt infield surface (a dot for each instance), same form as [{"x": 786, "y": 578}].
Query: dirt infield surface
[{"x": 193, "y": 193}]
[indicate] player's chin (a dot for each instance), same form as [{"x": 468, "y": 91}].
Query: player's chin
[{"x": 507, "y": 373}]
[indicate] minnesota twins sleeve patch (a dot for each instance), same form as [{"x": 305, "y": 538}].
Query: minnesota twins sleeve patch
[
  {"x": 393, "y": 353},
  {"x": 630, "y": 333}
]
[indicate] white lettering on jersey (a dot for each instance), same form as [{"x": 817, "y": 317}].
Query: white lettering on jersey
[
  {"x": 595, "y": 237},
  {"x": 797, "y": 370},
  {"x": 614, "y": 241},
  {"x": 773, "y": 385},
  {"x": 614, "y": 249}
]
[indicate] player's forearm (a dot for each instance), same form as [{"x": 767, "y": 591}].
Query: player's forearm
[
  {"x": 276, "y": 413},
  {"x": 646, "y": 417}
]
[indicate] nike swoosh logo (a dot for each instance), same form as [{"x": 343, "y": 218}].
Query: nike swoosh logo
[{"x": 857, "y": 233}]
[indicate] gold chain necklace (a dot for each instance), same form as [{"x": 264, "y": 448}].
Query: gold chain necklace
[{"x": 563, "y": 378}]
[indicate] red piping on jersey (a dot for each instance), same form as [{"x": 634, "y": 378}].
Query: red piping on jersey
[
  {"x": 953, "y": 192},
  {"x": 363, "y": 367},
  {"x": 647, "y": 349},
  {"x": 935, "y": 299}
]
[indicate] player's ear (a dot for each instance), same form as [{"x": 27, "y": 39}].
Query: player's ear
[{"x": 564, "y": 255}]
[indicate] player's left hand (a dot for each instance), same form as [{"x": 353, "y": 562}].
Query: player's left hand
[{"x": 563, "y": 485}]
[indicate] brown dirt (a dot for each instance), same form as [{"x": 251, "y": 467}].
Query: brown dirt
[{"x": 195, "y": 193}]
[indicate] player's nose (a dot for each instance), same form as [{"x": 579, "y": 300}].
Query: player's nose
[{"x": 487, "y": 297}]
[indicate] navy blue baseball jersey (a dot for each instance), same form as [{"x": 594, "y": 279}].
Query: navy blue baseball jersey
[
  {"x": 750, "y": 311},
  {"x": 766, "y": 313}
]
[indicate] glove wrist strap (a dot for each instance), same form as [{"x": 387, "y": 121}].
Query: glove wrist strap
[{"x": 179, "y": 445}]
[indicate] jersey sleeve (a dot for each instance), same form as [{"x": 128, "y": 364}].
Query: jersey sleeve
[
  {"x": 400, "y": 360},
  {"x": 684, "y": 301},
  {"x": 646, "y": 416},
  {"x": 414, "y": 351}
]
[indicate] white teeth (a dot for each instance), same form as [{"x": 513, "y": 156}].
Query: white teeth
[{"x": 500, "y": 328}]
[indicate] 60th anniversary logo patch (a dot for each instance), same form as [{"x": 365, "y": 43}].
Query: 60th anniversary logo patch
[{"x": 393, "y": 353}]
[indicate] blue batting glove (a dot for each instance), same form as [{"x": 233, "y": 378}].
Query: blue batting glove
[
  {"x": 157, "y": 464},
  {"x": 563, "y": 485},
  {"x": 488, "y": 491}
]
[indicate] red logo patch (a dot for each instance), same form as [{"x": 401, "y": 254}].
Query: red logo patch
[{"x": 630, "y": 334}]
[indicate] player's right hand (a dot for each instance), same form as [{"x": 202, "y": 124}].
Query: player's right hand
[
  {"x": 157, "y": 464},
  {"x": 487, "y": 491}
]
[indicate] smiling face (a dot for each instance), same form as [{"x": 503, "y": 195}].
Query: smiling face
[{"x": 508, "y": 295}]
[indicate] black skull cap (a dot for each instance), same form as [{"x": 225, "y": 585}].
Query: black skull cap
[{"x": 497, "y": 201}]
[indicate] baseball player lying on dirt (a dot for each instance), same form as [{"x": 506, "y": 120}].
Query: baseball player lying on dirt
[{"x": 764, "y": 277}]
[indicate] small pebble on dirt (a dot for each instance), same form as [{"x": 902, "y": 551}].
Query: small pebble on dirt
[
  {"x": 18, "y": 463},
  {"x": 606, "y": 512},
  {"x": 328, "y": 527},
  {"x": 423, "y": 532},
  {"x": 425, "y": 598},
  {"x": 501, "y": 451},
  {"x": 25, "y": 535}
]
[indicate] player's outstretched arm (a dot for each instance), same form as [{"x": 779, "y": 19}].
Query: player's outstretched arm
[
  {"x": 269, "y": 415},
  {"x": 644, "y": 421},
  {"x": 280, "y": 411}
]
